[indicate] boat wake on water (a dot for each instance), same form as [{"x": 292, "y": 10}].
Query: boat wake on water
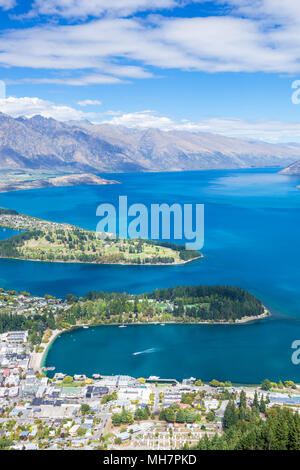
[{"x": 146, "y": 351}]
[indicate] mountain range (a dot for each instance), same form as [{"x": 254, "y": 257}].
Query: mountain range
[{"x": 40, "y": 143}]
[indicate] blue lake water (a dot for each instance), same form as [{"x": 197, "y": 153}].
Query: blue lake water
[{"x": 252, "y": 234}]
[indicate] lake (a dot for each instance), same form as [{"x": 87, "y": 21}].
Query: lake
[{"x": 252, "y": 234}]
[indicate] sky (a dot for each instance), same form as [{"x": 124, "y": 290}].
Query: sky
[{"x": 224, "y": 66}]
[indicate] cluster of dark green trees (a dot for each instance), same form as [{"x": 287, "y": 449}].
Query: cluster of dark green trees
[
  {"x": 9, "y": 247},
  {"x": 255, "y": 428},
  {"x": 126, "y": 417},
  {"x": 5, "y": 443},
  {"x": 210, "y": 302},
  {"x": 200, "y": 303},
  {"x": 174, "y": 414},
  {"x": 35, "y": 324},
  {"x": 142, "y": 414}
]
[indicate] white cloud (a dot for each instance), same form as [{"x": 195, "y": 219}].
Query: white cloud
[
  {"x": 289, "y": 9},
  {"x": 143, "y": 119},
  {"x": 250, "y": 36},
  {"x": 82, "y": 80},
  {"x": 29, "y": 107},
  {"x": 111, "y": 49},
  {"x": 7, "y": 4},
  {"x": 89, "y": 103},
  {"x": 96, "y": 8},
  {"x": 221, "y": 44},
  {"x": 265, "y": 130}
]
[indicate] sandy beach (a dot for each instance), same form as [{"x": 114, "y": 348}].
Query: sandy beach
[{"x": 36, "y": 359}]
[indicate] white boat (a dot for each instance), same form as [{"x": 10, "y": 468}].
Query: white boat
[
  {"x": 122, "y": 326},
  {"x": 85, "y": 327},
  {"x": 162, "y": 324}
]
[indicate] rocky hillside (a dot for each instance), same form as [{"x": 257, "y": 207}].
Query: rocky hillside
[
  {"x": 293, "y": 169},
  {"x": 45, "y": 144}
]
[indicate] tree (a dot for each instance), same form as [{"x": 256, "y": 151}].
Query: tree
[
  {"x": 180, "y": 416},
  {"x": 167, "y": 414},
  {"x": 230, "y": 416},
  {"x": 85, "y": 408},
  {"x": 142, "y": 414},
  {"x": 266, "y": 385},
  {"x": 243, "y": 401},
  {"x": 67, "y": 379},
  {"x": 216, "y": 383},
  {"x": 210, "y": 416},
  {"x": 5, "y": 443},
  {"x": 262, "y": 405},
  {"x": 125, "y": 417},
  {"x": 289, "y": 384},
  {"x": 242, "y": 405},
  {"x": 255, "y": 400},
  {"x": 280, "y": 385},
  {"x": 116, "y": 419}
]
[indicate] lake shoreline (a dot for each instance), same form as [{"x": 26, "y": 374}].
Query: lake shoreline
[
  {"x": 180, "y": 263},
  {"x": 40, "y": 358},
  {"x": 37, "y": 359}
]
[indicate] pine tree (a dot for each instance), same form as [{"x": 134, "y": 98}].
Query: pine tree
[
  {"x": 255, "y": 401},
  {"x": 243, "y": 402},
  {"x": 262, "y": 405},
  {"x": 230, "y": 416}
]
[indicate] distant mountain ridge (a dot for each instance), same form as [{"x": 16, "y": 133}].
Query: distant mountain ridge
[{"x": 40, "y": 143}]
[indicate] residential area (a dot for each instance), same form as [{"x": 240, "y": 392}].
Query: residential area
[
  {"x": 45, "y": 409},
  {"x": 111, "y": 412}
]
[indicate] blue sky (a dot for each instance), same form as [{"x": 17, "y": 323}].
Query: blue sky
[{"x": 224, "y": 66}]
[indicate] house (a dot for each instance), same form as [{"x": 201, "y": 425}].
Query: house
[
  {"x": 73, "y": 430},
  {"x": 78, "y": 377},
  {"x": 89, "y": 420},
  {"x": 17, "y": 336},
  {"x": 211, "y": 404},
  {"x": 12, "y": 381},
  {"x": 59, "y": 376},
  {"x": 78, "y": 442},
  {"x": 24, "y": 435},
  {"x": 96, "y": 391},
  {"x": 134, "y": 428},
  {"x": 124, "y": 436},
  {"x": 13, "y": 392}
]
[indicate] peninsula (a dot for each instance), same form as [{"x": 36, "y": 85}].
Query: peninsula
[
  {"x": 17, "y": 181},
  {"x": 46, "y": 317},
  {"x": 60, "y": 242}
]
